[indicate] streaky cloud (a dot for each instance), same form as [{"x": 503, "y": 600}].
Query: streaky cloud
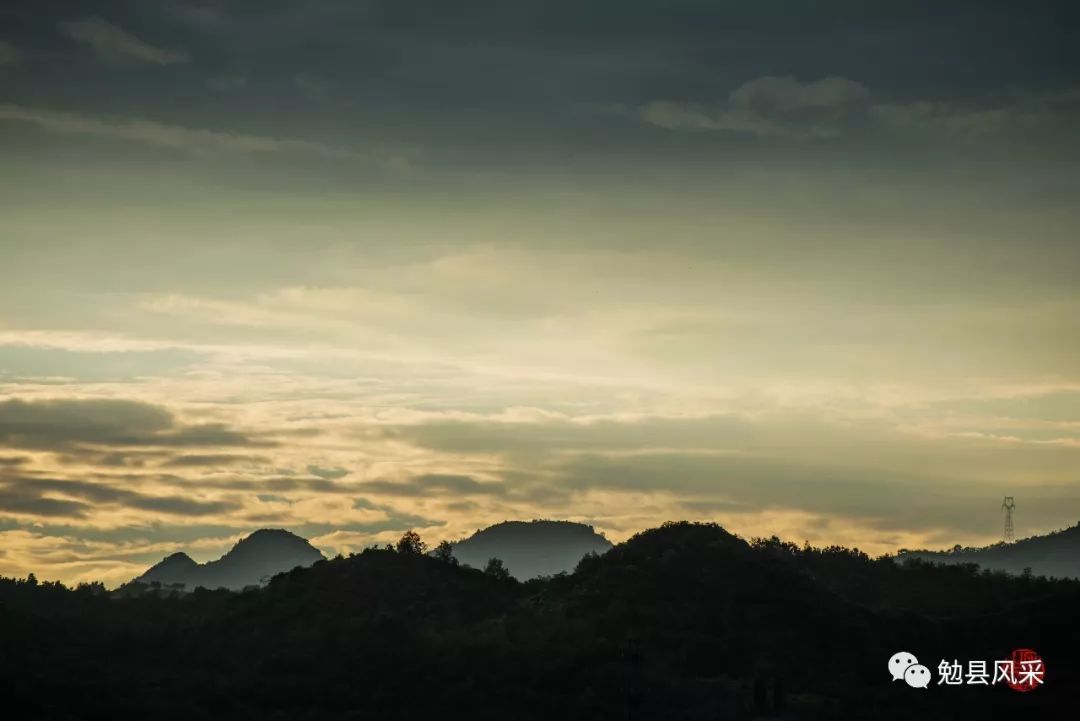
[
  {"x": 112, "y": 42},
  {"x": 163, "y": 135}
]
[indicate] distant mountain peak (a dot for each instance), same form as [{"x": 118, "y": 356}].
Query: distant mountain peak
[
  {"x": 174, "y": 568},
  {"x": 544, "y": 523},
  {"x": 252, "y": 561},
  {"x": 532, "y": 548},
  {"x": 270, "y": 538},
  {"x": 270, "y": 534}
]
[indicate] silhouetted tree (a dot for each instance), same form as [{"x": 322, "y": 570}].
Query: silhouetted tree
[
  {"x": 93, "y": 588},
  {"x": 410, "y": 543},
  {"x": 496, "y": 568},
  {"x": 587, "y": 561},
  {"x": 445, "y": 552}
]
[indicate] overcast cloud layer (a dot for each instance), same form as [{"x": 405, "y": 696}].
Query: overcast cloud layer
[{"x": 351, "y": 268}]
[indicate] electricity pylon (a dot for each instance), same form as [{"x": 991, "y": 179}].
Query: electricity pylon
[{"x": 1008, "y": 505}]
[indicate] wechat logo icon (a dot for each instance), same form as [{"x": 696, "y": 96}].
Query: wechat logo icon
[{"x": 901, "y": 663}]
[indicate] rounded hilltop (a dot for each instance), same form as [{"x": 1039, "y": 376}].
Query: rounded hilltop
[{"x": 532, "y": 548}]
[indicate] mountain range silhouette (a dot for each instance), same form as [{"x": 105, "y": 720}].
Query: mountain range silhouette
[
  {"x": 539, "y": 548},
  {"x": 528, "y": 550},
  {"x": 251, "y": 562}
]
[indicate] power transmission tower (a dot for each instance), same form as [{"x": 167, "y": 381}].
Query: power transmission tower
[{"x": 1008, "y": 505}]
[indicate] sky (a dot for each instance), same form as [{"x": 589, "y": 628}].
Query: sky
[{"x": 351, "y": 267}]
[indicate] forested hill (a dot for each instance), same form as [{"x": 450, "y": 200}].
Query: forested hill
[
  {"x": 1055, "y": 554},
  {"x": 681, "y": 622}
]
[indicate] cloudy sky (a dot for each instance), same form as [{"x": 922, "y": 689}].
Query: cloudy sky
[{"x": 350, "y": 267}]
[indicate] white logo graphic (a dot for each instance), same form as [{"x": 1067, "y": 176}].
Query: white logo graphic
[
  {"x": 899, "y": 663},
  {"x": 1023, "y": 671},
  {"x": 917, "y": 676}
]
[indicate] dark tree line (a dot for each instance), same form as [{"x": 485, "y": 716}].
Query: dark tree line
[{"x": 681, "y": 622}]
